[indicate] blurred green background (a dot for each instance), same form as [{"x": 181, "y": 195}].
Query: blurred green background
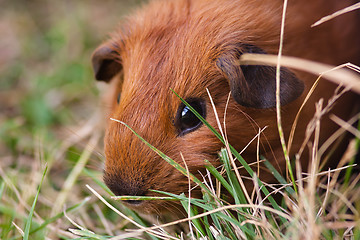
[
  {"x": 47, "y": 95},
  {"x": 46, "y": 80}
]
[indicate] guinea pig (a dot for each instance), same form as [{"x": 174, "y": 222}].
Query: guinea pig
[{"x": 189, "y": 46}]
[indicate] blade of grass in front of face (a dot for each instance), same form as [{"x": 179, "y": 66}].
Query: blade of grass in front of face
[
  {"x": 214, "y": 172},
  {"x": 29, "y": 219},
  {"x": 224, "y": 227},
  {"x": 166, "y": 158},
  {"x": 206, "y": 223},
  {"x": 279, "y": 177},
  {"x": 237, "y": 156},
  {"x": 239, "y": 196},
  {"x": 224, "y": 220},
  {"x": 223, "y": 182},
  {"x": 197, "y": 202},
  {"x": 217, "y": 221},
  {"x": 144, "y": 198},
  {"x": 261, "y": 185},
  {"x": 193, "y": 212}
]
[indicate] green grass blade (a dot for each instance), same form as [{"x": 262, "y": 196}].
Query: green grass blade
[
  {"x": 278, "y": 177},
  {"x": 206, "y": 223},
  {"x": 214, "y": 172},
  {"x": 144, "y": 198},
  {"x": 193, "y": 212},
  {"x": 238, "y": 195},
  {"x": 29, "y": 219}
]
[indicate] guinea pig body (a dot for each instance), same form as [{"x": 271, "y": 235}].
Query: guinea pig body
[{"x": 190, "y": 46}]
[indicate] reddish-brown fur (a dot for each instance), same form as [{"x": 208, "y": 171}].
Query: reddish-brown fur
[{"x": 175, "y": 45}]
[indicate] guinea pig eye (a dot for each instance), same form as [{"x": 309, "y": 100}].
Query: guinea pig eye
[
  {"x": 118, "y": 98},
  {"x": 186, "y": 121}
]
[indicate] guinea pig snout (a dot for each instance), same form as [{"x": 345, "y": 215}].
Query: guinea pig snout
[{"x": 126, "y": 187}]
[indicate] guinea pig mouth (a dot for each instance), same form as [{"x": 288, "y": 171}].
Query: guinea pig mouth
[
  {"x": 133, "y": 202},
  {"x": 127, "y": 187}
]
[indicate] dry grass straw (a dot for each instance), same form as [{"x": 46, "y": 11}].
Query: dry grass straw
[
  {"x": 336, "y": 14},
  {"x": 337, "y": 75}
]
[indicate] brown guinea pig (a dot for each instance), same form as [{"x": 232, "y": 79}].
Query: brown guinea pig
[{"x": 193, "y": 45}]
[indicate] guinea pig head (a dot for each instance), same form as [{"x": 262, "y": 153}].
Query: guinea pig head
[
  {"x": 144, "y": 101},
  {"x": 166, "y": 48}
]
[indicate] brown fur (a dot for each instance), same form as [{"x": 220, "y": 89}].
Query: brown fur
[{"x": 175, "y": 44}]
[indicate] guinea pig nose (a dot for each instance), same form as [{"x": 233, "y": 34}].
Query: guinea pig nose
[
  {"x": 126, "y": 188},
  {"x": 123, "y": 190},
  {"x": 133, "y": 191}
]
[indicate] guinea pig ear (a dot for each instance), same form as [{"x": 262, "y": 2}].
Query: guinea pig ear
[
  {"x": 255, "y": 86},
  {"x": 106, "y": 63}
]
